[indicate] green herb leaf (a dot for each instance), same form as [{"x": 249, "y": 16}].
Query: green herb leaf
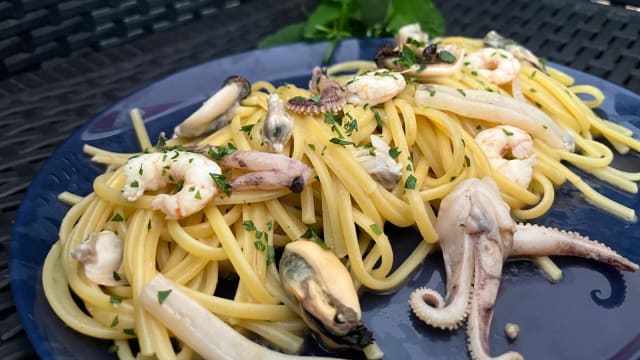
[
  {"x": 129, "y": 331},
  {"x": 378, "y": 118},
  {"x": 394, "y": 152},
  {"x": 507, "y": 132},
  {"x": 222, "y": 183},
  {"x": 269, "y": 225},
  {"x": 341, "y": 142},
  {"x": 115, "y": 321},
  {"x": 408, "y": 57},
  {"x": 402, "y": 12},
  {"x": 117, "y": 217},
  {"x": 376, "y": 229},
  {"x": 248, "y": 225},
  {"x": 259, "y": 245},
  {"x": 113, "y": 348},
  {"x": 114, "y": 300},
  {"x": 410, "y": 183},
  {"x": 446, "y": 57},
  {"x": 163, "y": 295},
  {"x": 286, "y": 35},
  {"x": 312, "y": 146},
  {"x": 134, "y": 184},
  {"x": 247, "y": 128},
  {"x": 271, "y": 255}
]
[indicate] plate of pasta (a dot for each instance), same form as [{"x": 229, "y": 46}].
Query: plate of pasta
[{"x": 287, "y": 208}]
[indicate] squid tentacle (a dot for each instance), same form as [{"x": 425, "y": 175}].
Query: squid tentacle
[{"x": 536, "y": 240}]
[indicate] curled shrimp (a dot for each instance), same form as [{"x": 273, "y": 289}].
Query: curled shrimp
[
  {"x": 190, "y": 171},
  {"x": 497, "y": 65},
  {"x": 510, "y": 152}
]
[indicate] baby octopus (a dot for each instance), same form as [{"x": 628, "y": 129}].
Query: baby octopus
[
  {"x": 477, "y": 235},
  {"x": 197, "y": 176}
]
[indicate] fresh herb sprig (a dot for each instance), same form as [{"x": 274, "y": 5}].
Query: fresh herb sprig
[{"x": 334, "y": 20}]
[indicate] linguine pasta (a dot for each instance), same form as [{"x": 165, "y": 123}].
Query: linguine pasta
[{"x": 342, "y": 206}]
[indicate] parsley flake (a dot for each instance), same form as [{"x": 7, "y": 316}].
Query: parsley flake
[
  {"x": 163, "y": 295},
  {"x": 117, "y": 218},
  {"x": 341, "y": 142},
  {"x": 394, "y": 152},
  {"x": 312, "y": 146},
  {"x": 115, "y": 321},
  {"x": 271, "y": 255},
  {"x": 113, "y": 348},
  {"x": 222, "y": 183},
  {"x": 247, "y": 128},
  {"x": 410, "y": 183},
  {"x": 198, "y": 196},
  {"x": 134, "y": 184},
  {"x": 462, "y": 92},
  {"x": 378, "y": 118},
  {"x": 446, "y": 57},
  {"x": 129, "y": 331},
  {"x": 248, "y": 225},
  {"x": 408, "y": 57},
  {"x": 260, "y": 245},
  {"x": 467, "y": 161},
  {"x": 507, "y": 132},
  {"x": 376, "y": 229},
  {"x": 114, "y": 300}
]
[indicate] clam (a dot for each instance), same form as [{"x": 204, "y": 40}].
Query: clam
[
  {"x": 434, "y": 60},
  {"x": 324, "y": 290},
  {"x": 217, "y": 111},
  {"x": 278, "y": 125},
  {"x": 101, "y": 256}
]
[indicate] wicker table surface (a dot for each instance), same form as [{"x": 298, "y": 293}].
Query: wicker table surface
[{"x": 41, "y": 107}]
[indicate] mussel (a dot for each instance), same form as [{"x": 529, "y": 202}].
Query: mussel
[{"x": 324, "y": 290}]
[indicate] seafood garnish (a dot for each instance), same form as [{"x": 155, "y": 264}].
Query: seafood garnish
[
  {"x": 217, "y": 111},
  {"x": 477, "y": 234},
  {"x": 374, "y": 87},
  {"x": 201, "y": 329},
  {"x": 497, "y": 65},
  {"x": 433, "y": 61},
  {"x": 379, "y": 164},
  {"x": 101, "y": 257},
  {"x": 510, "y": 151},
  {"x": 493, "y": 107},
  {"x": 197, "y": 176},
  {"x": 412, "y": 35},
  {"x": 278, "y": 125},
  {"x": 495, "y": 40},
  {"x": 323, "y": 288},
  {"x": 190, "y": 172},
  {"x": 269, "y": 171},
  {"x": 329, "y": 95}
]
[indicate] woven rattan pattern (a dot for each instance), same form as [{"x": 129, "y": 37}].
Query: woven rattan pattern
[
  {"x": 39, "y": 109},
  {"x": 34, "y": 31}
]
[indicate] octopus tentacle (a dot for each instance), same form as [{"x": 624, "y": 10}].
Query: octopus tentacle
[
  {"x": 486, "y": 282},
  {"x": 536, "y": 240}
]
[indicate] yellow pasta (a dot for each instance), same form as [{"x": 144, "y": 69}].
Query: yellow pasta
[{"x": 343, "y": 205}]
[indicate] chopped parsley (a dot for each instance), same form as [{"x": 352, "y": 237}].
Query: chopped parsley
[
  {"x": 533, "y": 90},
  {"x": 269, "y": 225},
  {"x": 140, "y": 171},
  {"x": 260, "y": 245},
  {"x": 341, "y": 142},
  {"x": 134, "y": 184},
  {"x": 378, "y": 118},
  {"x": 474, "y": 73},
  {"x": 179, "y": 186},
  {"x": 467, "y": 161},
  {"x": 533, "y": 74},
  {"x": 312, "y": 234},
  {"x": 222, "y": 183},
  {"x": 117, "y": 217},
  {"x": 115, "y": 321},
  {"x": 410, "y": 183},
  {"x": 333, "y": 119},
  {"x": 446, "y": 57},
  {"x": 219, "y": 152},
  {"x": 432, "y": 91},
  {"x": 415, "y": 42},
  {"x": 198, "y": 196},
  {"x": 408, "y": 57},
  {"x": 129, "y": 331},
  {"x": 462, "y": 92},
  {"x": 163, "y": 295},
  {"x": 271, "y": 255},
  {"x": 115, "y": 300},
  {"x": 247, "y": 128},
  {"x": 376, "y": 229},
  {"x": 165, "y": 169},
  {"x": 507, "y": 132},
  {"x": 394, "y": 152},
  {"x": 312, "y": 146},
  {"x": 315, "y": 98},
  {"x": 248, "y": 225},
  {"x": 478, "y": 127},
  {"x": 113, "y": 348}
]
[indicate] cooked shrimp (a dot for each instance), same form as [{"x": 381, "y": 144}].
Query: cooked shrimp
[
  {"x": 191, "y": 172},
  {"x": 510, "y": 151},
  {"x": 375, "y": 87},
  {"x": 497, "y": 65}
]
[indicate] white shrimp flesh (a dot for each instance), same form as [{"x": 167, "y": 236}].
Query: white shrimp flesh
[
  {"x": 510, "y": 152},
  {"x": 191, "y": 173},
  {"x": 375, "y": 87},
  {"x": 378, "y": 162},
  {"x": 101, "y": 257},
  {"x": 497, "y": 65}
]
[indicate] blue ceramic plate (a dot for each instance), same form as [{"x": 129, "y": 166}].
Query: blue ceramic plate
[{"x": 593, "y": 313}]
